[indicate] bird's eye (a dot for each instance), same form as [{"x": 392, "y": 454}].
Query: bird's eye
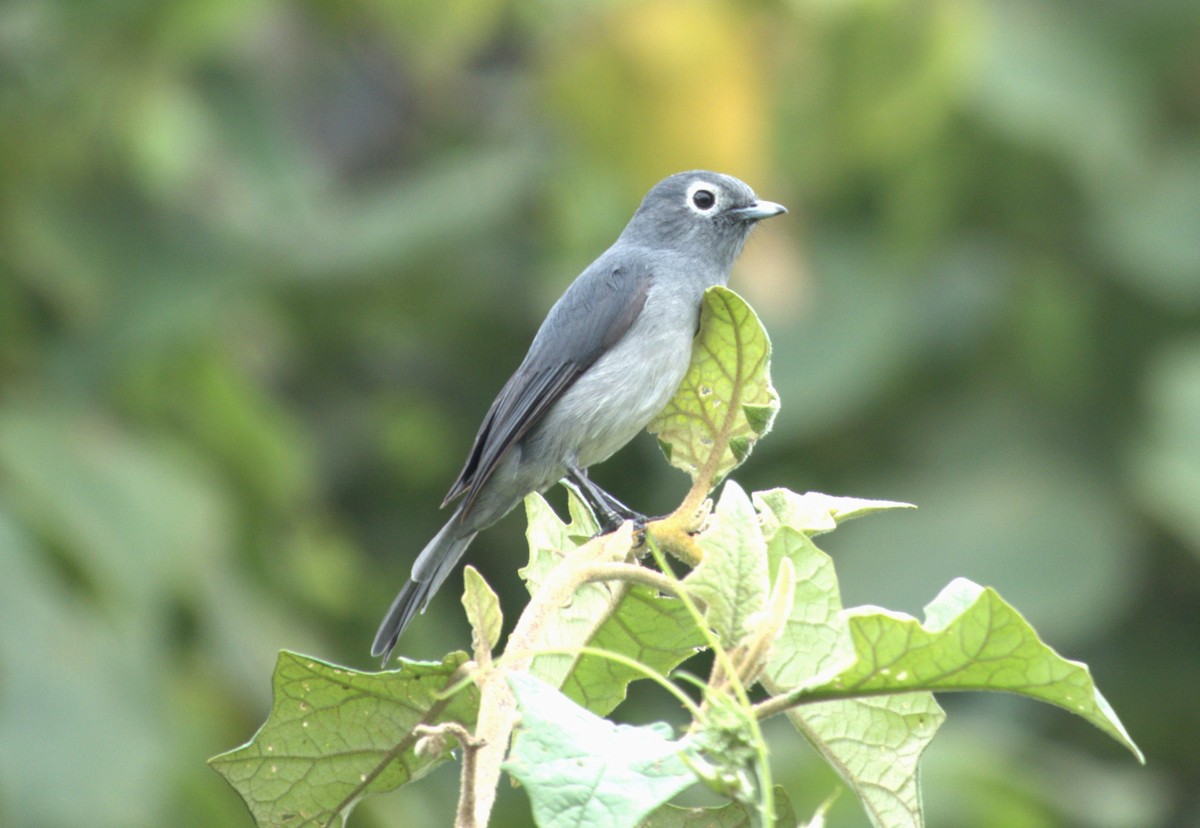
[{"x": 703, "y": 199}]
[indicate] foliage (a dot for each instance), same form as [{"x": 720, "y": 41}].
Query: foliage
[
  {"x": 336, "y": 735},
  {"x": 819, "y": 663},
  {"x": 725, "y": 395},
  {"x": 264, "y": 265}
]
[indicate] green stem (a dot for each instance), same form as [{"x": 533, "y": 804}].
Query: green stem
[
  {"x": 632, "y": 664},
  {"x": 766, "y": 807}
]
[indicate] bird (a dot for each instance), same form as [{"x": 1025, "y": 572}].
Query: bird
[{"x": 608, "y": 357}]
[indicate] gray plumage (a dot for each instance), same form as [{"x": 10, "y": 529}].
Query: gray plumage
[{"x": 609, "y": 356}]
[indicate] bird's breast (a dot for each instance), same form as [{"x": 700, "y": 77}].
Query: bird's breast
[{"x": 626, "y": 387}]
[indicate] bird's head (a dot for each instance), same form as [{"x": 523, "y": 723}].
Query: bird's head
[{"x": 699, "y": 212}]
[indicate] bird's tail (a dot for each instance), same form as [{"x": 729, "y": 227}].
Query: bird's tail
[{"x": 431, "y": 568}]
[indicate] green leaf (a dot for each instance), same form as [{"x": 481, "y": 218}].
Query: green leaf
[
  {"x": 971, "y": 640},
  {"x": 730, "y": 815},
  {"x": 550, "y": 540},
  {"x": 583, "y": 526},
  {"x": 725, "y": 755},
  {"x": 334, "y": 735},
  {"x": 483, "y": 611},
  {"x": 814, "y": 513},
  {"x": 654, "y": 630},
  {"x": 875, "y": 744},
  {"x": 550, "y": 543},
  {"x": 814, "y": 638},
  {"x": 580, "y": 769},
  {"x": 725, "y": 402},
  {"x": 760, "y": 417},
  {"x": 732, "y": 579}
]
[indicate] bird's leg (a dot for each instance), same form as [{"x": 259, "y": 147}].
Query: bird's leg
[
  {"x": 608, "y": 510},
  {"x": 596, "y": 498}
]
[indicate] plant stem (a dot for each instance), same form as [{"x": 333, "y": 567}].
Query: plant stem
[
  {"x": 497, "y": 706},
  {"x": 465, "y": 818}
]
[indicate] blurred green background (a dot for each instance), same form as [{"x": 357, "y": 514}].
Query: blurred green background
[{"x": 263, "y": 266}]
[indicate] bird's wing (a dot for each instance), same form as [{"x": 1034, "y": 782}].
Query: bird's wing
[{"x": 591, "y": 317}]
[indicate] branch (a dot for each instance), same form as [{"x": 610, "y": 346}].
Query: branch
[
  {"x": 432, "y": 739},
  {"x": 497, "y": 708},
  {"x": 674, "y": 533},
  {"x": 629, "y": 573}
]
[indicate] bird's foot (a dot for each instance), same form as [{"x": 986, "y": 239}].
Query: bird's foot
[{"x": 610, "y": 519}]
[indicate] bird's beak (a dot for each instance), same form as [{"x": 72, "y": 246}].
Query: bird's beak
[{"x": 758, "y": 210}]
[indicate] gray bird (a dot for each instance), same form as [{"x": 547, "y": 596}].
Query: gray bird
[{"x": 608, "y": 357}]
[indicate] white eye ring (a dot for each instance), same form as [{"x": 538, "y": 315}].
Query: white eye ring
[{"x": 702, "y": 198}]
